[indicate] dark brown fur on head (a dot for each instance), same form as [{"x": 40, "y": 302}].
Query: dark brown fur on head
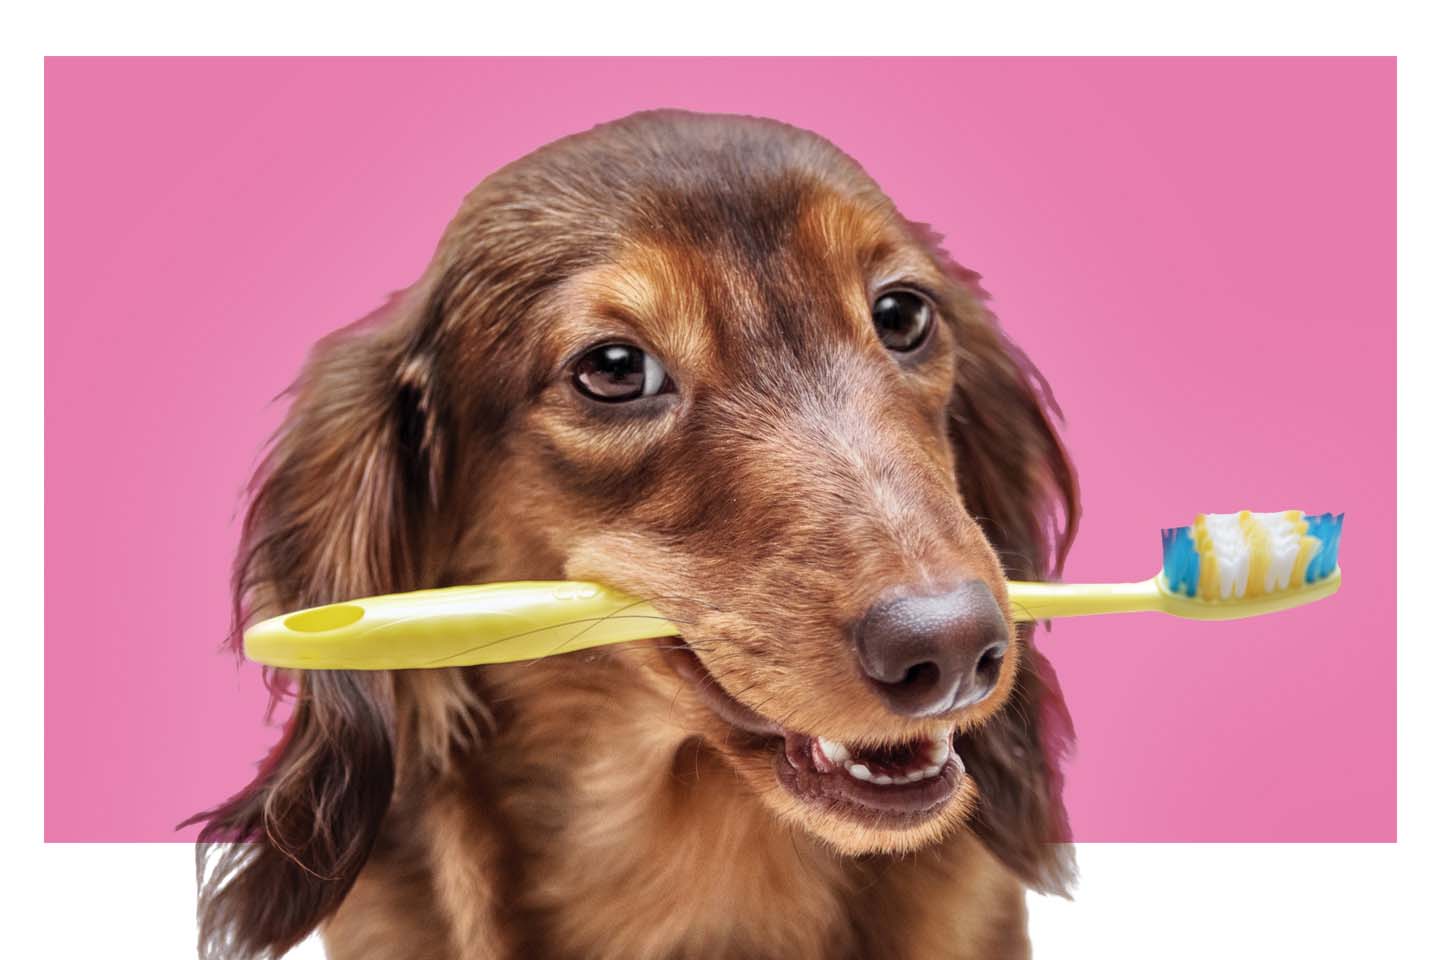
[{"x": 591, "y": 804}]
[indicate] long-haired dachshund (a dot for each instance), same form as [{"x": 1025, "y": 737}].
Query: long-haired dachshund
[{"x": 704, "y": 360}]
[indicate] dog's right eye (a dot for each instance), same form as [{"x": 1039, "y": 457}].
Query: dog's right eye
[{"x": 617, "y": 372}]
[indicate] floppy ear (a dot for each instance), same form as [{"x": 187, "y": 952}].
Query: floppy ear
[
  {"x": 340, "y": 508},
  {"x": 1019, "y": 483}
]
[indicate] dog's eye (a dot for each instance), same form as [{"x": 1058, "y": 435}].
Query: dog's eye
[
  {"x": 902, "y": 319},
  {"x": 617, "y": 372}
]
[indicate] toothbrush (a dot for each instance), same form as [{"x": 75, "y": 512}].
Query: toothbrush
[
  {"x": 1224, "y": 566},
  {"x": 1221, "y": 567}
]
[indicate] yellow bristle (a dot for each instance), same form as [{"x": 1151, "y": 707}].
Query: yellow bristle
[
  {"x": 1259, "y": 542},
  {"x": 1308, "y": 546},
  {"x": 1209, "y": 583}
]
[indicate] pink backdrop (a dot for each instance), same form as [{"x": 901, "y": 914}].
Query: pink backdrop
[{"x": 1199, "y": 253}]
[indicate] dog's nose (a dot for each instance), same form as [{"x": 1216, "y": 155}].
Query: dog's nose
[{"x": 927, "y": 655}]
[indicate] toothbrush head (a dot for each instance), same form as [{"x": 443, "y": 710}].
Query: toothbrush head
[{"x": 1233, "y": 563}]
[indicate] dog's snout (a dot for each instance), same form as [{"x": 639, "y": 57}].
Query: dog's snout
[{"x": 928, "y": 654}]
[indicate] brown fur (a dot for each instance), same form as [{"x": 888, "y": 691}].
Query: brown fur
[{"x": 589, "y": 805}]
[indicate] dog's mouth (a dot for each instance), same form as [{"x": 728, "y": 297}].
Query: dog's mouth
[{"x": 899, "y": 784}]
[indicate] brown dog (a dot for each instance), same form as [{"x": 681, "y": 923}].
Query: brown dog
[{"x": 704, "y": 360}]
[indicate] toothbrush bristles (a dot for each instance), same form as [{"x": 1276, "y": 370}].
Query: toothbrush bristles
[{"x": 1230, "y": 556}]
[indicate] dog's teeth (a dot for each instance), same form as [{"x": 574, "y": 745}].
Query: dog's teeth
[{"x": 934, "y": 755}]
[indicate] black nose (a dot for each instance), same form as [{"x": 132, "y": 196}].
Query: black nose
[{"x": 927, "y": 655}]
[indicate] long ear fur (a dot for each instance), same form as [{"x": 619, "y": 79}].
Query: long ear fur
[
  {"x": 339, "y": 509},
  {"x": 1018, "y": 481}
]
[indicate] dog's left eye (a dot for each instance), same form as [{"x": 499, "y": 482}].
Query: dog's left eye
[
  {"x": 617, "y": 372},
  {"x": 903, "y": 319}
]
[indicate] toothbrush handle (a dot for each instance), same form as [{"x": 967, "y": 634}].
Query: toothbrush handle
[
  {"x": 1030, "y": 600},
  {"x": 455, "y": 626}
]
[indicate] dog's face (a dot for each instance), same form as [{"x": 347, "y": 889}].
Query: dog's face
[
  {"x": 704, "y": 360},
  {"x": 750, "y": 425}
]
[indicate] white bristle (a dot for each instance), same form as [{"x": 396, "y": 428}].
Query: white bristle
[
  {"x": 1232, "y": 552},
  {"x": 1284, "y": 541}
]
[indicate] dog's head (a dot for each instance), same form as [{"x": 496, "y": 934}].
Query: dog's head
[{"x": 702, "y": 359}]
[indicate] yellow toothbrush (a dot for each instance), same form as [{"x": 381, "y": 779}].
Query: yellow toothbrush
[{"x": 1221, "y": 567}]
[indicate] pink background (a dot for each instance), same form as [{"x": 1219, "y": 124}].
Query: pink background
[{"x": 1199, "y": 253}]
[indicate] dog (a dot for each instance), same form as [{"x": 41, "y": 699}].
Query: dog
[{"x": 704, "y": 360}]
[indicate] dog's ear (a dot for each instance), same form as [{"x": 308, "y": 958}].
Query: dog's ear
[
  {"x": 1018, "y": 482},
  {"x": 341, "y": 507}
]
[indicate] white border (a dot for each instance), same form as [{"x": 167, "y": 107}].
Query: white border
[
  {"x": 1134, "y": 900},
  {"x": 1151, "y": 901},
  {"x": 748, "y": 27}
]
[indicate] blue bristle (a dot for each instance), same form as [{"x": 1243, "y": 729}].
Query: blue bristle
[
  {"x": 1325, "y": 527},
  {"x": 1182, "y": 561}
]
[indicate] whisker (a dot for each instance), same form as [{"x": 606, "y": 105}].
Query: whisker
[
  {"x": 590, "y": 623},
  {"x": 1024, "y": 608}
]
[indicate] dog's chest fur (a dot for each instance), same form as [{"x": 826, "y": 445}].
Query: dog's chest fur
[{"x": 591, "y": 828}]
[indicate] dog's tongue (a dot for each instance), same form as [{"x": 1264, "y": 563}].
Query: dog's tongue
[{"x": 895, "y": 758}]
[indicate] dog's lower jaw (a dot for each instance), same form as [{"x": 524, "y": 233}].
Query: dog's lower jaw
[
  {"x": 843, "y": 833},
  {"x": 810, "y": 784}
]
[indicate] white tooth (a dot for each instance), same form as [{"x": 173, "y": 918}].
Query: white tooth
[
  {"x": 930, "y": 771},
  {"x": 836, "y": 753},
  {"x": 859, "y": 771},
  {"x": 882, "y": 779},
  {"x": 939, "y": 749},
  {"x": 915, "y": 776}
]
